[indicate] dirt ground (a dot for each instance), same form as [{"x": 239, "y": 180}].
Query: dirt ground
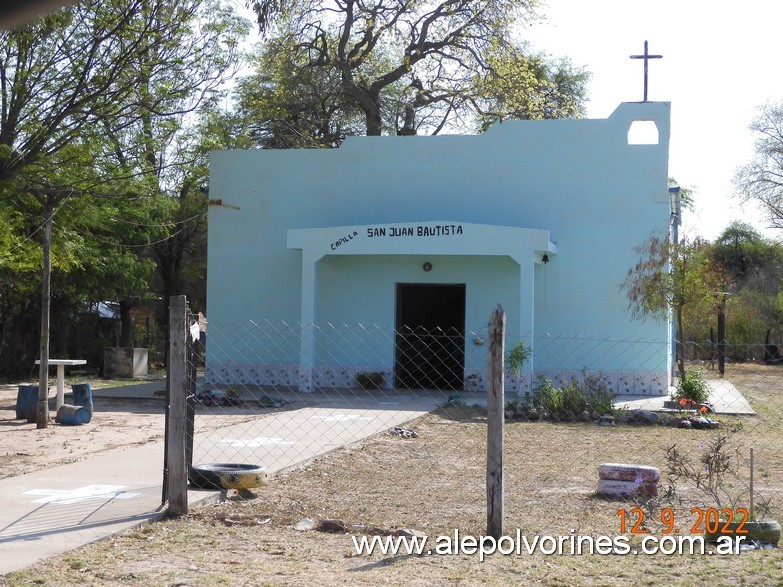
[
  {"x": 433, "y": 484},
  {"x": 24, "y": 448}
]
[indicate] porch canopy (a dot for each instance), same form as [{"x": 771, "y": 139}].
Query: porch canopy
[{"x": 526, "y": 246}]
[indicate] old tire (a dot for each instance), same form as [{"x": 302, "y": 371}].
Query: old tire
[
  {"x": 227, "y": 476},
  {"x": 767, "y": 531},
  {"x": 623, "y": 472}
]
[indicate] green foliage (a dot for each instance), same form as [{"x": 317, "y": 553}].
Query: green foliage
[
  {"x": 753, "y": 272},
  {"x": 549, "y": 397},
  {"x": 290, "y": 105},
  {"x": 600, "y": 398},
  {"x": 592, "y": 394},
  {"x": 740, "y": 249},
  {"x": 693, "y": 387},
  {"x": 746, "y": 323},
  {"x": 686, "y": 194},
  {"x": 401, "y": 68},
  {"x": 101, "y": 102},
  {"x": 673, "y": 277},
  {"x": 525, "y": 86},
  {"x": 516, "y": 358}
]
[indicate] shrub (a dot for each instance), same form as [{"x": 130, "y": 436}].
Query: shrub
[
  {"x": 693, "y": 387},
  {"x": 516, "y": 358},
  {"x": 574, "y": 400},
  {"x": 718, "y": 474},
  {"x": 549, "y": 397},
  {"x": 597, "y": 393},
  {"x": 591, "y": 395}
]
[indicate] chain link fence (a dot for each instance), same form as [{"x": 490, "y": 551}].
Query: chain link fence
[{"x": 574, "y": 406}]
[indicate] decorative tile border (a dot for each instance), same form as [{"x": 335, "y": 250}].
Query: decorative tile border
[{"x": 649, "y": 383}]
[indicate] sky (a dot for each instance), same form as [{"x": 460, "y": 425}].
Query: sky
[{"x": 720, "y": 63}]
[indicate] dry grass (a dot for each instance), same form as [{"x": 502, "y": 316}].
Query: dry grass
[{"x": 436, "y": 483}]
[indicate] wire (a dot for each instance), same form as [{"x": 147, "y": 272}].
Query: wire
[
  {"x": 163, "y": 225},
  {"x": 107, "y": 242},
  {"x": 43, "y": 224},
  {"x": 148, "y": 244}
]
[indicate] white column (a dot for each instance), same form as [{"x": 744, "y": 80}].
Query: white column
[
  {"x": 527, "y": 288},
  {"x": 307, "y": 342}
]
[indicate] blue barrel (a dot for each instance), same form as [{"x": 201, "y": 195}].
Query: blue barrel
[
  {"x": 82, "y": 395},
  {"x": 26, "y": 401},
  {"x": 72, "y": 415}
]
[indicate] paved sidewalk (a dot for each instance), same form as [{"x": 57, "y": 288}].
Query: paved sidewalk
[
  {"x": 725, "y": 398},
  {"x": 49, "y": 512}
]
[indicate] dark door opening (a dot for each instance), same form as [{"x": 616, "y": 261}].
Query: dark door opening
[{"x": 430, "y": 342}]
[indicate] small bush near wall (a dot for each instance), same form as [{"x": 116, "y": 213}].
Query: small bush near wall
[
  {"x": 693, "y": 387},
  {"x": 591, "y": 394}
]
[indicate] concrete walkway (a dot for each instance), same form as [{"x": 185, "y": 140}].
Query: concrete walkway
[
  {"x": 725, "y": 398},
  {"x": 49, "y": 512}
]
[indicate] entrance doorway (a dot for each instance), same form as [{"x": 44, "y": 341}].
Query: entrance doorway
[{"x": 430, "y": 341}]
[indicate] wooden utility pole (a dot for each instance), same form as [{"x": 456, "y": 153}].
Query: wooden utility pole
[
  {"x": 48, "y": 199},
  {"x": 176, "y": 475},
  {"x": 495, "y": 422}
]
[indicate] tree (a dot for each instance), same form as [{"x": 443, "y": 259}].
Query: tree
[
  {"x": 518, "y": 85},
  {"x": 741, "y": 250},
  {"x": 60, "y": 74},
  {"x": 20, "y": 281},
  {"x": 416, "y": 65},
  {"x": 120, "y": 74},
  {"x": 754, "y": 268},
  {"x": 116, "y": 233},
  {"x": 672, "y": 277},
  {"x": 686, "y": 194},
  {"x": 194, "y": 48},
  {"x": 292, "y": 105},
  {"x": 761, "y": 180}
]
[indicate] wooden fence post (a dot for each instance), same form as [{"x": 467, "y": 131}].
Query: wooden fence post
[
  {"x": 495, "y": 422},
  {"x": 176, "y": 475}
]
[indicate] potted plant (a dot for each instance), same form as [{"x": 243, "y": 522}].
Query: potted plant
[{"x": 693, "y": 393}]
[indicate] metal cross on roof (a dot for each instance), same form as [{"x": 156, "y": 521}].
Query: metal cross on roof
[{"x": 646, "y": 58}]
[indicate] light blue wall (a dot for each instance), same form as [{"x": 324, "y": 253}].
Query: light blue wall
[
  {"x": 579, "y": 179},
  {"x": 359, "y": 292}
]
